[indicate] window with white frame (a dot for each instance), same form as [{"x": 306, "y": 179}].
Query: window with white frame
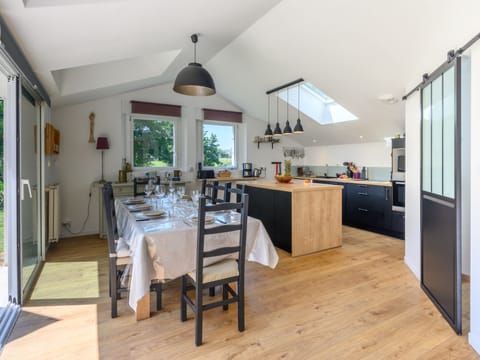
[
  {"x": 218, "y": 144},
  {"x": 153, "y": 141}
]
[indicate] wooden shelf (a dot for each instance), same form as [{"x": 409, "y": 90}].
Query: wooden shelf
[
  {"x": 263, "y": 140},
  {"x": 52, "y": 140}
]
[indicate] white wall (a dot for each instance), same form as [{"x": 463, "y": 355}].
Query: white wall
[
  {"x": 474, "y": 335},
  {"x": 363, "y": 154},
  {"x": 79, "y": 164}
]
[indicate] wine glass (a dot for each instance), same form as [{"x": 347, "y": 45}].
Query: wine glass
[
  {"x": 195, "y": 197},
  {"x": 181, "y": 191},
  {"x": 149, "y": 188}
]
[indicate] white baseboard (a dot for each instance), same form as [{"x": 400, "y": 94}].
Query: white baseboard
[
  {"x": 412, "y": 268},
  {"x": 474, "y": 341}
]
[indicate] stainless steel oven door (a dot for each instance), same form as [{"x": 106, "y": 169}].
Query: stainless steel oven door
[{"x": 398, "y": 199}]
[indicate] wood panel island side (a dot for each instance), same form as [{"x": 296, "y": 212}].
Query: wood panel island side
[{"x": 301, "y": 218}]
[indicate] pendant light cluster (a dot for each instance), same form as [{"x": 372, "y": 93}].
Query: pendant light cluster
[{"x": 287, "y": 130}]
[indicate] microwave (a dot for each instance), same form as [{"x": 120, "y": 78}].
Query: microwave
[{"x": 398, "y": 164}]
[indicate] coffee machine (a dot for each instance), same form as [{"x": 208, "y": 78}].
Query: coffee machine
[{"x": 247, "y": 170}]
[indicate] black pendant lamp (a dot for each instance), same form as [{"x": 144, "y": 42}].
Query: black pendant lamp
[
  {"x": 277, "y": 131},
  {"x": 298, "y": 129},
  {"x": 268, "y": 132},
  {"x": 287, "y": 130},
  {"x": 194, "y": 80}
]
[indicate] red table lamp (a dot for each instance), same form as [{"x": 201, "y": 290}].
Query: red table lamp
[{"x": 102, "y": 144}]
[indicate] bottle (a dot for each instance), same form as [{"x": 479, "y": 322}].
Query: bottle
[{"x": 364, "y": 173}]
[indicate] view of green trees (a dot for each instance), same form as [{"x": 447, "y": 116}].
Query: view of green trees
[
  {"x": 153, "y": 143},
  {"x": 212, "y": 154}
]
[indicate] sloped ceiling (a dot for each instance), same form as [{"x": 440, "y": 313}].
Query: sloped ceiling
[{"x": 354, "y": 51}]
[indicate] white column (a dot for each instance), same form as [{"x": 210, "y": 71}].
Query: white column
[{"x": 412, "y": 186}]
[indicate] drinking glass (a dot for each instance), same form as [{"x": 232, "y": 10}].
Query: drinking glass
[
  {"x": 195, "y": 197},
  {"x": 181, "y": 191}
]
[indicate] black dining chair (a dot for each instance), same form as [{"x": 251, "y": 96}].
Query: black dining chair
[
  {"x": 221, "y": 273},
  {"x": 136, "y": 183},
  {"x": 140, "y": 183},
  {"x": 211, "y": 190},
  {"x": 118, "y": 254}
]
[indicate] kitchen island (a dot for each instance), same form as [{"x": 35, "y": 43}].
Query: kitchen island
[{"x": 301, "y": 218}]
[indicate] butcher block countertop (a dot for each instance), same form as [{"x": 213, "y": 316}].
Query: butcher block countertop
[
  {"x": 347, "y": 181},
  {"x": 293, "y": 186}
]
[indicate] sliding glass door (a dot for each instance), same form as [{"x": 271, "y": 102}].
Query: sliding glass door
[
  {"x": 440, "y": 194},
  {"x": 30, "y": 188}
]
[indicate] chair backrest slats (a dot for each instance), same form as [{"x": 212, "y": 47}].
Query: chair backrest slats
[
  {"x": 222, "y": 229},
  {"x": 210, "y": 190},
  {"x": 221, "y": 251},
  {"x": 202, "y": 231}
]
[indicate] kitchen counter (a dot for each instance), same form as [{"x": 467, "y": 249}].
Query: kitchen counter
[
  {"x": 231, "y": 179},
  {"x": 293, "y": 186},
  {"x": 300, "y": 218},
  {"x": 349, "y": 181}
]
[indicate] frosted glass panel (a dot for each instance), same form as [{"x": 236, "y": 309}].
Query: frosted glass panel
[
  {"x": 449, "y": 133},
  {"x": 437, "y": 137},
  {"x": 427, "y": 138}
]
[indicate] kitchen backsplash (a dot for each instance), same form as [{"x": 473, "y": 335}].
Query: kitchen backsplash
[{"x": 374, "y": 173}]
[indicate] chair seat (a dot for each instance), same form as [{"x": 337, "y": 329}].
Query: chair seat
[
  {"x": 218, "y": 271},
  {"x": 124, "y": 260}
]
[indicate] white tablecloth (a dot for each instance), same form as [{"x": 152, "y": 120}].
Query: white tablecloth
[{"x": 166, "y": 248}]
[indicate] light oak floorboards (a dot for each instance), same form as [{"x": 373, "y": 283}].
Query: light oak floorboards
[{"x": 355, "y": 302}]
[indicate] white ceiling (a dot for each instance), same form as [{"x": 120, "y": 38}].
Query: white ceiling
[{"x": 352, "y": 50}]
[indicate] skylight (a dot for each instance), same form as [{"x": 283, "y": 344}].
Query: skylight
[{"x": 316, "y": 104}]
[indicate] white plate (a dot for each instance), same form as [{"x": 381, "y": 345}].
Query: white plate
[
  {"x": 133, "y": 201},
  {"x": 154, "y": 213},
  {"x": 208, "y": 219},
  {"x": 139, "y": 207}
]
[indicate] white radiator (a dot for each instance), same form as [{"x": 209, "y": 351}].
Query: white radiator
[{"x": 53, "y": 223}]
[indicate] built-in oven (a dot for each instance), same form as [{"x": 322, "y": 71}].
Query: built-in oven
[
  {"x": 398, "y": 196},
  {"x": 398, "y": 164}
]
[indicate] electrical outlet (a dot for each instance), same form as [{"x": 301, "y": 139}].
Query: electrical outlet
[{"x": 67, "y": 221}]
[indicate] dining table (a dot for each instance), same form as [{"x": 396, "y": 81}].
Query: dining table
[{"x": 162, "y": 243}]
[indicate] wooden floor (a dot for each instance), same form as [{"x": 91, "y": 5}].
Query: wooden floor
[{"x": 356, "y": 302}]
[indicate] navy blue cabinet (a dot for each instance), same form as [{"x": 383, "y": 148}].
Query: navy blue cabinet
[
  {"x": 369, "y": 206},
  {"x": 274, "y": 209}
]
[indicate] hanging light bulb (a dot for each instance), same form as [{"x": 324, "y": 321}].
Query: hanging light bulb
[
  {"x": 287, "y": 130},
  {"x": 277, "y": 131},
  {"x": 268, "y": 131},
  {"x": 298, "y": 129}
]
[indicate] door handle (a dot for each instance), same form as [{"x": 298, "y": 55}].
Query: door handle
[{"x": 23, "y": 183}]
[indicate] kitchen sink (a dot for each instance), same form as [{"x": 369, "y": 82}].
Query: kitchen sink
[{"x": 325, "y": 177}]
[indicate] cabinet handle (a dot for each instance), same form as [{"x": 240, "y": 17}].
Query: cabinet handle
[
  {"x": 386, "y": 193},
  {"x": 363, "y": 193},
  {"x": 363, "y": 186},
  {"x": 362, "y": 209}
]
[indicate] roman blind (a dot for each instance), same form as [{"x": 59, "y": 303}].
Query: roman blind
[
  {"x": 222, "y": 115},
  {"x": 148, "y": 108}
]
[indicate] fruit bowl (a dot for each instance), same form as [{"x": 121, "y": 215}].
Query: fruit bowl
[{"x": 283, "y": 178}]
